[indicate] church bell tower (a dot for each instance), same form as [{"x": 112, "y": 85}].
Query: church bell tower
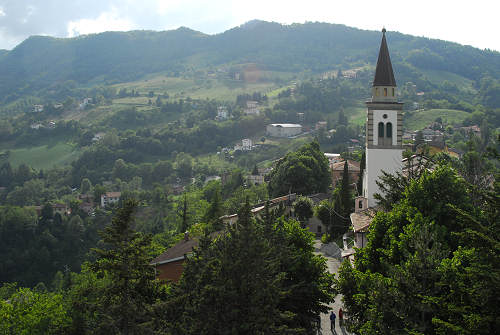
[{"x": 384, "y": 126}]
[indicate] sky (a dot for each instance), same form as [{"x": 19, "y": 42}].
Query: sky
[{"x": 473, "y": 23}]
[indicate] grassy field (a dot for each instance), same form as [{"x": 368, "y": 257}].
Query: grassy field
[
  {"x": 356, "y": 114},
  {"x": 419, "y": 119},
  {"x": 213, "y": 88},
  {"x": 44, "y": 157}
]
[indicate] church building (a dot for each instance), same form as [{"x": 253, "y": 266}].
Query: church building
[
  {"x": 384, "y": 126},
  {"x": 384, "y": 150}
]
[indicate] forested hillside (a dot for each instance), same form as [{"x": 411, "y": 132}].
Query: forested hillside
[{"x": 42, "y": 63}]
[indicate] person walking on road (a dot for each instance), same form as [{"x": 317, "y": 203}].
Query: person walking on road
[
  {"x": 332, "y": 321},
  {"x": 341, "y": 317}
]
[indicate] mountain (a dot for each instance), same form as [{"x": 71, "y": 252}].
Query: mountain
[{"x": 40, "y": 62}]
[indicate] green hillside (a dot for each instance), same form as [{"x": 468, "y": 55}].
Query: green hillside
[
  {"x": 419, "y": 119},
  {"x": 48, "y": 66},
  {"x": 44, "y": 157}
]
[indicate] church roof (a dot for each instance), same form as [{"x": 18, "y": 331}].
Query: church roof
[{"x": 384, "y": 76}]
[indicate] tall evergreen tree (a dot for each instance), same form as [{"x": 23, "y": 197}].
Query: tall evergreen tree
[
  {"x": 125, "y": 303},
  {"x": 362, "y": 167},
  {"x": 346, "y": 201}
]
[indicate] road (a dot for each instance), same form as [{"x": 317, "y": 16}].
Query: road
[{"x": 333, "y": 266}]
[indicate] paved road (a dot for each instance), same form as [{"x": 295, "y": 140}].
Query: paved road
[{"x": 333, "y": 266}]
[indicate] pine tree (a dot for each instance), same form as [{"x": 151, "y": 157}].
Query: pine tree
[
  {"x": 346, "y": 202},
  {"x": 362, "y": 167},
  {"x": 125, "y": 303}
]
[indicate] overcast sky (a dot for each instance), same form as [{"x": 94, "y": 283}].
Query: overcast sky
[{"x": 472, "y": 22}]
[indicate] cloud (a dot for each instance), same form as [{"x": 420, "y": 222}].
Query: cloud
[{"x": 107, "y": 21}]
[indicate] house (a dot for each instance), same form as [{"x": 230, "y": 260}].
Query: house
[
  {"x": 338, "y": 171},
  {"x": 170, "y": 264},
  {"x": 246, "y": 144},
  {"x": 222, "y": 113},
  {"x": 255, "y": 179},
  {"x": 252, "y": 108},
  {"x": 321, "y": 125},
  {"x": 37, "y": 108},
  {"x": 283, "y": 129},
  {"x": 110, "y": 198},
  {"x": 97, "y": 137},
  {"x": 62, "y": 209},
  {"x": 361, "y": 220},
  {"x": 301, "y": 117}
]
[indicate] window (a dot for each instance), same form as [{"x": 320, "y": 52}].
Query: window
[
  {"x": 360, "y": 204},
  {"x": 380, "y": 129},
  {"x": 389, "y": 130},
  {"x": 376, "y": 91},
  {"x": 319, "y": 229},
  {"x": 393, "y": 91},
  {"x": 385, "y": 91}
]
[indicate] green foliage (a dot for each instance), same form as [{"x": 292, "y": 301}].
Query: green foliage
[
  {"x": 273, "y": 284},
  {"x": 124, "y": 304},
  {"x": 304, "y": 171},
  {"x": 303, "y": 208},
  {"x": 431, "y": 262},
  {"x": 29, "y": 312}
]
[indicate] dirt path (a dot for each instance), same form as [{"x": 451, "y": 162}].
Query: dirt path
[{"x": 333, "y": 266}]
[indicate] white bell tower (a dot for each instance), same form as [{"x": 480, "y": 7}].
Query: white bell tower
[{"x": 384, "y": 126}]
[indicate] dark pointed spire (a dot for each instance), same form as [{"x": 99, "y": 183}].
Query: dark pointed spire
[{"x": 384, "y": 76}]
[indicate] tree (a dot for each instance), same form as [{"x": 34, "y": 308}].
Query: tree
[
  {"x": 304, "y": 171},
  {"x": 342, "y": 118},
  {"x": 429, "y": 264},
  {"x": 362, "y": 167},
  {"x": 31, "y": 312},
  {"x": 419, "y": 139},
  {"x": 86, "y": 186},
  {"x": 262, "y": 279},
  {"x": 126, "y": 301},
  {"x": 303, "y": 208},
  {"x": 346, "y": 201}
]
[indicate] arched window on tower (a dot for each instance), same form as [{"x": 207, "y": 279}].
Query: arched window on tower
[
  {"x": 388, "y": 130},
  {"x": 380, "y": 130},
  {"x": 385, "y": 91}
]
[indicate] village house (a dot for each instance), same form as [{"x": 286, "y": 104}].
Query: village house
[
  {"x": 246, "y": 144},
  {"x": 252, "y": 108},
  {"x": 109, "y": 198},
  {"x": 37, "y": 108},
  {"x": 255, "y": 179},
  {"x": 222, "y": 113},
  {"x": 61, "y": 209},
  {"x": 170, "y": 264},
  {"x": 321, "y": 125}
]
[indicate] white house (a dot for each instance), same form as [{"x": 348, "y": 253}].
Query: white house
[
  {"x": 252, "y": 108},
  {"x": 110, "y": 198},
  {"x": 246, "y": 144},
  {"x": 283, "y": 129},
  {"x": 222, "y": 113}
]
